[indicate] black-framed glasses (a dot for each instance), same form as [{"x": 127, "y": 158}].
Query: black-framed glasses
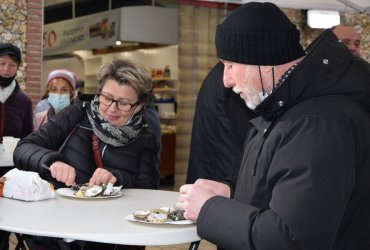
[{"x": 121, "y": 105}]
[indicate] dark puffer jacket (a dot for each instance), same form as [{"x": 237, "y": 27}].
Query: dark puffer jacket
[
  {"x": 219, "y": 130},
  {"x": 304, "y": 181},
  {"x": 67, "y": 137}
]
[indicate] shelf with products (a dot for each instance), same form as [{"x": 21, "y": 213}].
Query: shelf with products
[
  {"x": 91, "y": 68},
  {"x": 165, "y": 93},
  {"x": 164, "y": 85}
]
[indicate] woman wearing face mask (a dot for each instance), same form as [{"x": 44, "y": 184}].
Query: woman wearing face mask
[
  {"x": 62, "y": 151},
  {"x": 60, "y": 93}
]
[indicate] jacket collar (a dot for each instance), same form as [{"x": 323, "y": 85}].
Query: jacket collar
[{"x": 318, "y": 73}]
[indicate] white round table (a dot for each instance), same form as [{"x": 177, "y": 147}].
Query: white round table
[{"x": 100, "y": 220}]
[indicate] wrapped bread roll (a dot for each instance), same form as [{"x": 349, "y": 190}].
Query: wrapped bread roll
[
  {"x": 25, "y": 185},
  {"x": 2, "y": 180}
]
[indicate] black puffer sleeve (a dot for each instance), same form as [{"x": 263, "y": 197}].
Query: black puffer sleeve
[{"x": 41, "y": 148}]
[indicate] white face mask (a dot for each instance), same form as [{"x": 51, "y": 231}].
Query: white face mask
[{"x": 59, "y": 101}]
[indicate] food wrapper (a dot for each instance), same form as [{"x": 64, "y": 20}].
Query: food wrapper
[{"x": 25, "y": 185}]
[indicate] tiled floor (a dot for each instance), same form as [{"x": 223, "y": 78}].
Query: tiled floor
[{"x": 204, "y": 245}]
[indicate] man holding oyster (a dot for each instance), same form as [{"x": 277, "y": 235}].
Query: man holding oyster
[{"x": 304, "y": 177}]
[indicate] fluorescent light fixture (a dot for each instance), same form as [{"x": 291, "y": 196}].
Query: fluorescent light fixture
[{"x": 322, "y": 19}]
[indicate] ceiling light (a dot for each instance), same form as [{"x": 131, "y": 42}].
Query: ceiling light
[
  {"x": 118, "y": 43},
  {"x": 322, "y": 19}
]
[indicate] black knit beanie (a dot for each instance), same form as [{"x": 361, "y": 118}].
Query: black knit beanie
[
  {"x": 258, "y": 34},
  {"x": 11, "y": 50}
]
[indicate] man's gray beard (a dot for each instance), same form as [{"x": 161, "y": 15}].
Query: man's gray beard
[{"x": 252, "y": 98}]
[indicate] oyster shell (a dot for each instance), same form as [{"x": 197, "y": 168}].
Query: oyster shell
[
  {"x": 96, "y": 190},
  {"x": 176, "y": 214},
  {"x": 109, "y": 189},
  {"x": 93, "y": 191},
  {"x": 141, "y": 214},
  {"x": 81, "y": 191},
  {"x": 159, "y": 215}
]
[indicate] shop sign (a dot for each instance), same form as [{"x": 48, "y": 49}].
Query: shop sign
[{"x": 88, "y": 32}]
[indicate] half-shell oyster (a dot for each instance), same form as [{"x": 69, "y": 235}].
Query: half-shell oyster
[{"x": 97, "y": 190}]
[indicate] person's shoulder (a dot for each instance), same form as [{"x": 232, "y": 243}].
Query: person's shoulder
[
  {"x": 42, "y": 105},
  {"x": 21, "y": 95},
  {"x": 147, "y": 138}
]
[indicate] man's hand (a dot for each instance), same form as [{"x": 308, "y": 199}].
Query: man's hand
[{"x": 193, "y": 196}]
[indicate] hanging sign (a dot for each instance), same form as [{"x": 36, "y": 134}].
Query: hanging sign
[{"x": 88, "y": 32}]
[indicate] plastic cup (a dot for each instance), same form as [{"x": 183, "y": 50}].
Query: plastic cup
[
  {"x": 8, "y": 144},
  {"x": 15, "y": 142}
]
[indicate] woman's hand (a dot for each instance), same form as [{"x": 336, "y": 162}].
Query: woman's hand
[
  {"x": 63, "y": 172},
  {"x": 102, "y": 176}
]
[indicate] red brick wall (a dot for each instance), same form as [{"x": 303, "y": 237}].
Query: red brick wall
[{"x": 34, "y": 49}]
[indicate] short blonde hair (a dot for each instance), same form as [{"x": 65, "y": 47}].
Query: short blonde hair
[{"x": 126, "y": 72}]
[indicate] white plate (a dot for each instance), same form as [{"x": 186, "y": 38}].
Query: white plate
[
  {"x": 67, "y": 192},
  {"x": 131, "y": 217}
]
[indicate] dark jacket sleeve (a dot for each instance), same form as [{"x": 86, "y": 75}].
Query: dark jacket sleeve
[{"x": 40, "y": 148}]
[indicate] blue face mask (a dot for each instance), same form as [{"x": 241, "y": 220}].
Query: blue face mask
[{"x": 58, "y": 101}]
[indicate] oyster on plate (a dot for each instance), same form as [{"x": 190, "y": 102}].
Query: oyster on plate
[
  {"x": 159, "y": 215},
  {"x": 97, "y": 190}
]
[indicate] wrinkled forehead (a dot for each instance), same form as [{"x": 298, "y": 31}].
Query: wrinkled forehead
[
  {"x": 59, "y": 83},
  {"x": 346, "y": 33}
]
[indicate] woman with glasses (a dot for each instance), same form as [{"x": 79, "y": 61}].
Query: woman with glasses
[
  {"x": 62, "y": 151},
  {"x": 100, "y": 139}
]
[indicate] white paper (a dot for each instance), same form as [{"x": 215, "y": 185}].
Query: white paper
[{"x": 27, "y": 186}]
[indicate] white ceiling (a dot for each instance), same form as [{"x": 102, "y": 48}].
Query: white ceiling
[{"x": 340, "y": 5}]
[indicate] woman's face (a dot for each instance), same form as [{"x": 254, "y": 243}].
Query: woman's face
[
  {"x": 8, "y": 67},
  {"x": 125, "y": 95},
  {"x": 60, "y": 86}
]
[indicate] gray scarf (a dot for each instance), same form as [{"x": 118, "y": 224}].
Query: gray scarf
[{"x": 110, "y": 134}]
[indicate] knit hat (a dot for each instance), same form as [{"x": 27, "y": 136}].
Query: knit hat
[
  {"x": 258, "y": 34},
  {"x": 67, "y": 75},
  {"x": 11, "y": 50}
]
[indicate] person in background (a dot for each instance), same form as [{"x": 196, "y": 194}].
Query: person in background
[
  {"x": 348, "y": 35},
  {"x": 15, "y": 106},
  {"x": 62, "y": 151},
  {"x": 59, "y": 94},
  {"x": 304, "y": 176},
  {"x": 219, "y": 130}
]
